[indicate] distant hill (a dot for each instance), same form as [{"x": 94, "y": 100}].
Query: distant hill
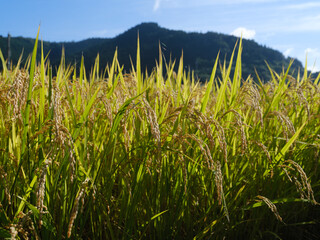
[{"x": 199, "y": 50}]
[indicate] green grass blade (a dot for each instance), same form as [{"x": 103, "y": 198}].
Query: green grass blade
[
  {"x": 138, "y": 68},
  {"x": 286, "y": 147},
  {"x": 179, "y": 81},
  {"x": 236, "y": 83},
  {"x": 81, "y": 71},
  {"x": 159, "y": 214},
  {"x": 4, "y": 65},
  {"x": 85, "y": 114},
  {"x": 66, "y": 85},
  {"x": 221, "y": 99},
  {"x": 305, "y": 72},
  {"x": 206, "y": 96},
  {"x": 29, "y": 95},
  {"x": 43, "y": 90},
  {"x": 4, "y": 233},
  {"x": 316, "y": 81},
  {"x": 26, "y": 195},
  {"x": 112, "y": 69},
  {"x": 120, "y": 114}
]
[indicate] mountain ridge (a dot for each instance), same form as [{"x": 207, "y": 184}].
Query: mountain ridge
[{"x": 199, "y": 50}]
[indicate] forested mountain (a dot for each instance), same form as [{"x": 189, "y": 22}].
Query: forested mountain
[{"x": 199, "y": 50}]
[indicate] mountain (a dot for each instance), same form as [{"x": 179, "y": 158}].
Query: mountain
[{"x": 199, "y": 50}]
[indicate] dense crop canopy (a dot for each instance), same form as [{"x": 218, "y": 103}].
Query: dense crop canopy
[{"x": 160, "y": 156}]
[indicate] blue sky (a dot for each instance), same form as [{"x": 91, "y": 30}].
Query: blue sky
[{"x": 290, "y": 26}]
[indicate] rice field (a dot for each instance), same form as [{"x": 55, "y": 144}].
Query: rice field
[{"x": 157, "y": 156}]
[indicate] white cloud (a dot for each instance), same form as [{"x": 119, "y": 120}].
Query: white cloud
[
  {"x": 308, "y": 50},
  {"x": 303, "y": 6},
  {"x": 313, "y": 55},
  {"x": 287, "y": 52},
  {"x": 156, "y": 5},
  {"x": 245, "y": 33}
]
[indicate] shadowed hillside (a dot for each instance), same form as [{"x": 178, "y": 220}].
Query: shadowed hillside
[{"x": 199, "y": 50}]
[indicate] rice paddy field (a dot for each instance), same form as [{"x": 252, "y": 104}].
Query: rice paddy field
[{"x": 157, "y": 156}]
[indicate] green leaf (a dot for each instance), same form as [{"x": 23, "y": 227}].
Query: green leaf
[
  {"x": 120, "y": 114},
  {"x": 222, "y": 90},
  {"x": 140, "y": 173},
  {"x": 236, "y": 83},
  {"x": 138, "y": 68},
  {"x": 85, "y": 114},
  {"x": 26, "y": 196},
  {"x": 4, "y": 234},
  {"x": 205, "y": 98},
  {"x": 29, "y": 95},
  {"x": 112, "y": 70},
  {"x": 42, "y": 91},
  {"x": 159, "y": 214},
  {"x": 46, "y": 218},
  {"x": 288, "y": 144},
  {"x": 4, "y": 65},
  {"x": 280, "y": 200}
]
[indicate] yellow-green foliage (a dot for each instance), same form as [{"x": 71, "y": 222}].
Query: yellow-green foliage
[{"x": 159, "y": 156}]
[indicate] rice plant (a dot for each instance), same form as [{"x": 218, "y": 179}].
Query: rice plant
[{"x": 111, "y": 155}]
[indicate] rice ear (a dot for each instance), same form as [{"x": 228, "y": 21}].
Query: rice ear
[{"x": 271, "y": 206}]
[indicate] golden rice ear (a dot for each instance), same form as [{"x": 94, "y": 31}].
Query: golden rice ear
[
  {"x": 5, "y": 183},
  {"x": 203, "y": 151},
  {"x": 41, "y": 189},
  {"x": 267, "y": 153},
  {"x": 271, "y": 206},
  {"x": 221, "y": 139},
  {"x": 75, "y": 208},
  {"x": 153, "y": 121},
  {"x": 303, "y": 187}
]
